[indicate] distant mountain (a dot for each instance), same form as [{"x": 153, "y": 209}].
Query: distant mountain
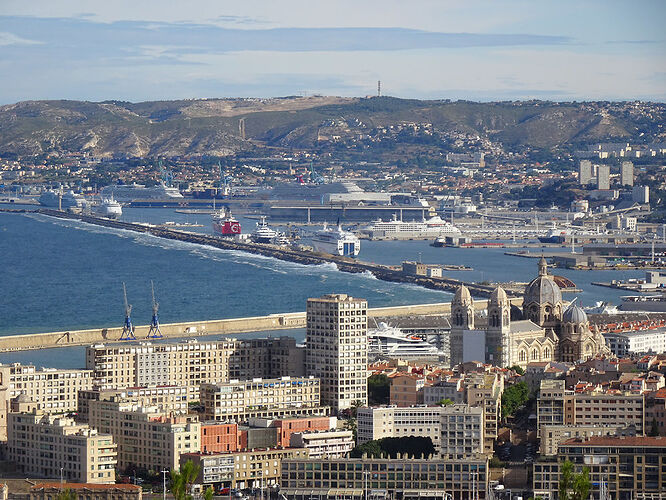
[{"x": 216, "y": 126}]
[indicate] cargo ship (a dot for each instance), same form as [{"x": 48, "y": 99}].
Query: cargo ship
[{"x": 225, "y": 224}]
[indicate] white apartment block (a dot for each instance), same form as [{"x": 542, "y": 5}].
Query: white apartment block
[
  {"x": 240, "y": 400},
  {"x": 45, "y": 446},
  {"x": 552, "y": 435},
  {"x": 640, "y": 342},
  {"x": 146, "y": 437},
  {"x": 455, "y": 430},
  {"x": 324, "y": 444},
  {"x": 337, "y": 349}
]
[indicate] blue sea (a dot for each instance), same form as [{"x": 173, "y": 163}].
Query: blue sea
[{"x": 66, "y": 275}]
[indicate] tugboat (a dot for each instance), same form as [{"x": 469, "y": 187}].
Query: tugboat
[{"x": 225, "y": 224}]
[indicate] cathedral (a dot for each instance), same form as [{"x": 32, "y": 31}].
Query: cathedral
[{"x": 544, "y": 330}]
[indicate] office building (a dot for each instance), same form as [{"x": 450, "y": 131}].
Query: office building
[
  {"x": 626, "y": 467},
  {"x": 337, "y": 349},
  {"x": 627, "y": 173},
  {"x": 558, "y": 406},
  {"x": 585, "y": 172},
  {"x": 258, "y": 468},
  {"x": 86, "y": 491},
  {"x": 146, "y": 436},
  {"x": 238, "y": 401},
  {"x": 408, "y": 478},
  {"x": 603, "y": 177},
  {"x": 52, "y": 446}
]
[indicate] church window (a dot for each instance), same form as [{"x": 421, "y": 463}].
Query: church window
[
  {"x": 546, "y": 353},
  {"x": 522, "y": 356},
  {"x": 535, "y": 355}
]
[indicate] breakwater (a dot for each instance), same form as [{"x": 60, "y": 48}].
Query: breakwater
[{"x": 343, "y": 264}]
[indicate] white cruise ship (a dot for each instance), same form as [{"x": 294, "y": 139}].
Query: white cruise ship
[
  {"x": 109, "y": 208},
  {"x": 336, "y": 242},
  {"x": 130, "y": 192},
  {"x": 65, "y": 200},
  {"x": 426, "y": 228},
  {"x": 389, "y": 342}
]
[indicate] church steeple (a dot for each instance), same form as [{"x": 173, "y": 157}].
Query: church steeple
[{"x": 543, "y": 266}]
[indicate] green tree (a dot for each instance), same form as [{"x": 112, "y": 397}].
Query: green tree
[
  {"x": 654, "y": 428},
  {"x": 582, "y": 485},
  {"x": 574, "y": 486},
  {"x": 517, "y": 369},
  {"x": 566, "y": 480},
  {"x": 513, "y": 397},
  {"x": 445, "y": 402},
  {"x": 379, "y": 390},
  {"x": 67, "y": 494},
  {"x": 208, "y": 494},
  {"x": 181, "y": 482}
]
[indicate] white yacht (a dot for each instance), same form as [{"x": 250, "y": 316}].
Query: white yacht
[
  {"x": 426, "y": 228},
  {"x": 390, "y": 342},
  {"x": 336, "y": 242},
  {"x": 263, "y": 233},
  {"x": 109, "y": 208}
]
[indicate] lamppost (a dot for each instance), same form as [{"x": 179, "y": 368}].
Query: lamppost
[
  {"x": 61, "y": 477},
  {"x": 164, "y": 473}
]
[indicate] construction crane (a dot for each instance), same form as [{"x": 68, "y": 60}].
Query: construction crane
[
  {"x": 128, "y": 327},
  {"x": 315, "y": 177},
  {"x": 225, "y": 181},
  {"x": 154, "y": 331},
  {"x": 165, "y": 174}
]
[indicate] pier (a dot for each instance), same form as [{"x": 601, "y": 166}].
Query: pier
[{"x": 344, "y": 264}]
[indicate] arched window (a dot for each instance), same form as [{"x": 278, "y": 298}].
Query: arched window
[
  {"x": 522, "y": 356},
  {"x": 546, "y": 353},
  {"x": 535, "y": 355}
]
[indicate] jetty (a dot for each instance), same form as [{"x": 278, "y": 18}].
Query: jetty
[{"x": 344, "y": 264}]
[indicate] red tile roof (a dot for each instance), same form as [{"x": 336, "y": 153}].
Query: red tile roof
[{"x": 89, "y": 486}]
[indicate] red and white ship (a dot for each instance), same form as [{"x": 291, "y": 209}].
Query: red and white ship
[{"x": 225, "y": 224}]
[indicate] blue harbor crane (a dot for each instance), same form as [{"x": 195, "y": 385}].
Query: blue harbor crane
[
  {"x": 154, "y": 331},
  {"x": 128, "y": 327}
]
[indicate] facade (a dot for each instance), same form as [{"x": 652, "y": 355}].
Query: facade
[
  {"x": 551, "y": 436},
  {"x": 218, "y": 437},
  {"x": 337, "y": 349},
  {"x": 47, "y": 446},
  {"x": 627, "y": 173},
  {"x": 324, "y": 444},
  {"x": 626, "y": 467},
  {"x": 462, "y": 431},
  {"x": 167, "y": 399},
  {"x": 146, "y": 437},
  {"x": 259, "y": 468},
  {"x": 452, "y": 389},
  {"x": 288, "y": 426},
  {"x": 83, "y": 491},
  {"x": 624, "y": 344},
  {"x": 603, "y": 177},
  {"x": 238, "y": 401},
  {"x": 485, "y": 390},
  {"x": 559, "y": 406},
  {"x": 406, "y": 389},
  {"x": 387, "y": 478},
  {"x": 585, "y": 173}
]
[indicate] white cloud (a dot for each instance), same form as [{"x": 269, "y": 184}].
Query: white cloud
[{"x": 7, "y": 38}]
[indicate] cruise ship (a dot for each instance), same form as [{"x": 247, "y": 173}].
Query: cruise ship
[
  {"x": 263, "y": 233},
  {"x": 65, "y": 200},
  {"x": 336, "y": 242},
  {"x": 389, "y": 342},
  {"x": 425, "y": 229},
  {"x": 647, "y": 303},
  {"x": 130, "y": 192},
  {"x": 109, "y": 208}
]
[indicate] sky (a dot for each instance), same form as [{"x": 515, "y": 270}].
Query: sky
[{"x": 427, "y": 49}]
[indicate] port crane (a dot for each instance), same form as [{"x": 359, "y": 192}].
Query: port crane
[
  {"x": 154, "y": 331},
  {"x": 128, "y": 327}
]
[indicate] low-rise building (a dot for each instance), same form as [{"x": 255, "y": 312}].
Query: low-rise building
[
  {"x": 406, "y": 389},
  {"x": 323, "y": 444},
  {"x": 49, "y": 446},
  {"x": 352, "y": 478},
  {"x": 146, "y": 436},
  {"x": 452, "y": 389},
  {"x": 287, "y": 426},
  {"x": 624, "y": 344},
  {"x": 551, "y": 436},
  {"x": 86, "y": 491},
  {"x": 238, "y": 401}
]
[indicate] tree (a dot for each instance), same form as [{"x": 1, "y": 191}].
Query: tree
[
  {"x": 654, "y": 428},
  {"x": 208, "y": 494},
  {"x": 574, "y": 486},
  {"x": 517, "y": 369},
  {"x": 67, "y": 494},
  {"x": 513, "y": 397},
  {"x": 379, "y": 390},
  {"x": 445, "y": 402},
  {"x": 181, "y": 482},
  {"x": 566, "y": 480},
  {"x": 582, "y": 485}
]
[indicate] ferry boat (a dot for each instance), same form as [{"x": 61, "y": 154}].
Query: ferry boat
[
  {"x": 336, "y": 242},
  {"x": 65, "y": 200},
  {"x": 109, "y": 208},
  {"x": 130, "y": 192},
  {"x": 225, "y": 224},
  {"x": 555, "y": 236},
  {"x": 648, "y": 303},
  {"x": 426, "y": 228},
  {"x": 263, "y": 233},
  {"x": 389, "y": 342}
]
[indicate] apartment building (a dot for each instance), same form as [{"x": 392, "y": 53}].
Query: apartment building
[
  {"x": 626, "y": 467},
  {"x": 392, "y": 421},
  {"x": 462, "y": 431},
  {"x": 324, "y": 444},
  {"x": 167, "y": 399},
  {"x": 624, "y": 344},
  {"x": 53, "y": 390},
  {"x": 408, "y": 478},
  {"x": 245, "y": 469},
  {"x": 48, "y": 491},
  {"x": 452, "y": 389},
  {"x": 146, "y": 436},
  {"x": 49, "y": 446},
  {"x": 551, "y": 436},
  {"x": 406, "y": 389},
  {"x": 485, "y": 390},
  {"x": 337, "y": 349},
  {"x": 557, "y": 406},
  {"x": 218, "y": 437},
  {"x": 287, "y": 426}
]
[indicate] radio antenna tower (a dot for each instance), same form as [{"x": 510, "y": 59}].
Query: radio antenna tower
[
  {"x": 379, "y": 88},
  {"x": 154, "y": 331},
  {"x": 128, "y": 327}
]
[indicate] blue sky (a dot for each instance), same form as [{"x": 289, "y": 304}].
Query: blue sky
[{"x": 434, "y": 49}]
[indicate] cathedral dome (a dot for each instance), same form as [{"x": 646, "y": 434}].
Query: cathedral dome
[
  {"x": 462, "y": 296},
  {"x": 498, "y": 296},
  {"x": 516, "y": 313},
  {"x": 574, "y": 314},
  {"x": 543, "y": 289}
]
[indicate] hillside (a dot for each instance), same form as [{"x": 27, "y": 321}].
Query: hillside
[{"x": 214, "y": 126}]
